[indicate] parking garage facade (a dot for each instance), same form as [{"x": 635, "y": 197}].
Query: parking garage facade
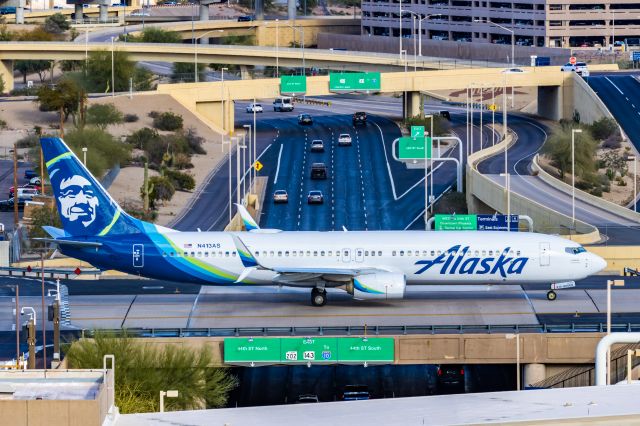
[{"x": 573, "y": 23}]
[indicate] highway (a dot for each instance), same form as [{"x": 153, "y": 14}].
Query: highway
[
  {"x": 531, "y": 136},
  {"x": 128, "y": 304}
]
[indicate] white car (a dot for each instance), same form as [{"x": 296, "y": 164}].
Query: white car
[
  {"x": 254, "y": 108},
  {"x": 344, "y": 139},
  {"x": 280, "y": 196},
  {"x": 580, "y": 68}
]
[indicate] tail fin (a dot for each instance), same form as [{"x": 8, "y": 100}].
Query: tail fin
[{"x": 85, "y": 207}]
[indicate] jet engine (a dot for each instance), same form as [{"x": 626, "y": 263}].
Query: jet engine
[{"x": 381, "y": 285}]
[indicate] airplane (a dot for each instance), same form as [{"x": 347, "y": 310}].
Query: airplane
[{"x": 367, "y": 265}]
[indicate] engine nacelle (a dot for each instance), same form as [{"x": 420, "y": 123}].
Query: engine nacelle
[{"x": 381, "y": 285}]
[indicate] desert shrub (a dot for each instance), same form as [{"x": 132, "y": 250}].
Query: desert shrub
[
  {"x": 168, "y": 121},
  {"x": 130, "y": 118},
  {"x": 181, "y": 181}
]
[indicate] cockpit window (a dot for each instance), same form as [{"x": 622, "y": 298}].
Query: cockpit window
[{"x": 575, "y": 250}]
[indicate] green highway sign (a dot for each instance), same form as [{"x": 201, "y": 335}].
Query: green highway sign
[
  {"x": 252, "y": 350},
  {"x": 410, "y": 148},
  {"x": 354, "y": 81},
  {"x": 309, "y": 349},
  {"x": 317, "y": 350},
  {"x": 370, "y": 349},
  {"x": 293, "y": 84},
  {"x": 458, "y": 222},
  {"x": 417, "y": 132}
]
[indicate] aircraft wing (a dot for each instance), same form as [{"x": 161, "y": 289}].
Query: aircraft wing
[{"x": 294, "y": 275}]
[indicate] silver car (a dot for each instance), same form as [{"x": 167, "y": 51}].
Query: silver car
[
  {"x": 280, "y": 196},
  {"x": 344, "y": 139}
]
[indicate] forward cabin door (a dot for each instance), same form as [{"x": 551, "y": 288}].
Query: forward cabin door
[{"x": 545, "y": 249}]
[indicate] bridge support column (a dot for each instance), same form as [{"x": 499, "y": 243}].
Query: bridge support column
[
  {"x": 534, "y": 373},
  {"x": 20, "y": 15},
  {"x": 104, "y": 12},
  {"x": 550, "y": 102},
  {"x": 291, "y": 10},
  {"x": 6, "y": 71},
  {"x": 259, "y": 11},
  {"x": 413, "y": 104},
  {"x": 78, "y": 11},
  {"x": 204, "y": 12}
]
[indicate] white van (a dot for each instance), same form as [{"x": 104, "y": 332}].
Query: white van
[
  {"x": 283, "y": 104},
  {"x": 27, "y": 193}
]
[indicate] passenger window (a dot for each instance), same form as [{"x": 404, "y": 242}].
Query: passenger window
[
  {"x": 439, "y": 252},
  {"x": 408, "y": 252},
  {"x": 271, "y": 254},
  {"x": 286, "y": 253},
  {"x": 185, "y": 254},
  {"x": 490, "y": 252},
  {"x": 401, "y": 252},
  {"x": 366, "y": 252},
  {"x": 233, "y": 253},
  {"x": 380, "y": 253},
  {"x": 164, "y": 254},
  {"x": 433, "y": 253},
  {"x": 171, "y": 254},
  {"x": 393, "y": 253},
  {"x": 226, "y": 254},
  {"x": 518, "y": 253},
  {"x": 330, "y": 253},
  {"x": 322, "y": 253},
  {"x": 206, "y": 254},
  {"x": 315, "y": 253},
  {"x": 475, "y": 253},
  {"x": 279, "y": 254},
  {"x": 484, "y": 252},
  {"x": 199, "y": 254},
  {"x": 294, "y": 253},
  {"x": 308, "y": 253}
]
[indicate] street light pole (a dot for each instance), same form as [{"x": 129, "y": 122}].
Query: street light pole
[
  {"x": 195, "y": 53},
  {"x": 635, "y": 178},
  {"x": 420, "y": 31},
  {"x": 168, "y": 394},
  {"x": 507, "y": 187},
  {"x": 513, "y": 38},
  {"x": 113, "y": 74},
  {"x": 573, "y": 176}
]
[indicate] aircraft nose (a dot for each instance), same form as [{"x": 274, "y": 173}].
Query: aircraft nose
[{"x": 597, "y": 263}]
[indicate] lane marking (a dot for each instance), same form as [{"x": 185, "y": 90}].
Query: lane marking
[
  {"x": 275, "y": 180},
  {"x": 614, "y": 85}
]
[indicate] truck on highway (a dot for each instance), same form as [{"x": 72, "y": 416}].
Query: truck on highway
[{"x": 283, "y": 104}]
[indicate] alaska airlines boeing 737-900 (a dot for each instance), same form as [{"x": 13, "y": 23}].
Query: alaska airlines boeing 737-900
[{"x": 368, "y": 265}]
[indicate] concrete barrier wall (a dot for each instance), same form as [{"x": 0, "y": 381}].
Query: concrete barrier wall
[
  {"x": 493, "y": 195},
  {"x": 618, "y": 257},
  {"x": 481, "y": 52},
  {"x": 584, "y": 196},
  {"x": 585, "y": 101}
]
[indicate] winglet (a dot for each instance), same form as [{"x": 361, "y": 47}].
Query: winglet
[
  {"x": 248, "y": 260},
  {"x": 249, "y": 223}
]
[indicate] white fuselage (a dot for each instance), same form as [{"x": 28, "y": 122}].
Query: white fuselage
[{"x": 423, "y": 257}]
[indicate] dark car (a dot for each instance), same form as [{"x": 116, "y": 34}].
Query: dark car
[
  {"x": 7, "y": 205},
  {"x": 450, "y": 378},
  {"x": 359, "y": 118},
  {"x": 7, "y": 10},
  {"x": 315, "y": 197},
  {"x": 30, "y": 174},
  {"x": 246, "y": 18},
  {"x": 305, "y": 119},
  {"x": 317, "y": 146},
  {"x": 355, "y": 392},
  {"x": 318, "y": 171}
]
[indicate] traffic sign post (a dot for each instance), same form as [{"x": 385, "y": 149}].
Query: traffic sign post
[
  {"x": 356, "y": 81},
  {"x": 258, "y": 166},
  {"x": 493, "y": 107},
  {"x": 410, "y": 148},
  {"x": 293, "y": 85}
]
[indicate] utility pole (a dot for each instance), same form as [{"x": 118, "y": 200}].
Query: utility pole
[
  {"x": 44, "y": 322},
  {"x": 56, "y": 330},
  {"x": 15, "y": 187},
  {"x": 31, "y": 341}
]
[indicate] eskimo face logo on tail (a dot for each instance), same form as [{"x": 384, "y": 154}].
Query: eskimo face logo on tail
[
  {"x": 455, "y": 261},
  {"x": 77, "y": 199}
]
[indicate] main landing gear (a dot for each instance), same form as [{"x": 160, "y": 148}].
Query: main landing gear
[{"x": 318, "y": 296}]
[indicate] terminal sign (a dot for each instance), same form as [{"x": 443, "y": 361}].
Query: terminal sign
[
  {"x": 410, "y": 148},
  {"x": 456, "y": 222},
  {"x": 354, "y": 81},
  {"x": 293, "y": 84},
  {"x": 497, "y": 222}
]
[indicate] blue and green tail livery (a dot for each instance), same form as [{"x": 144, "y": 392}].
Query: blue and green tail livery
[{"x": 85, "y": 207}]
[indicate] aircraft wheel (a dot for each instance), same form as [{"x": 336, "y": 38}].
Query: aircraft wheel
[
  {"x": 551, "y": 295},
  {"x": 318, "y": 297}
]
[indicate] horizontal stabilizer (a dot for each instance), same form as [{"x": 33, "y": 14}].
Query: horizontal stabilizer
[
  {"x": 54, "y": 232},
  {"x": 69, "y": 242}
]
